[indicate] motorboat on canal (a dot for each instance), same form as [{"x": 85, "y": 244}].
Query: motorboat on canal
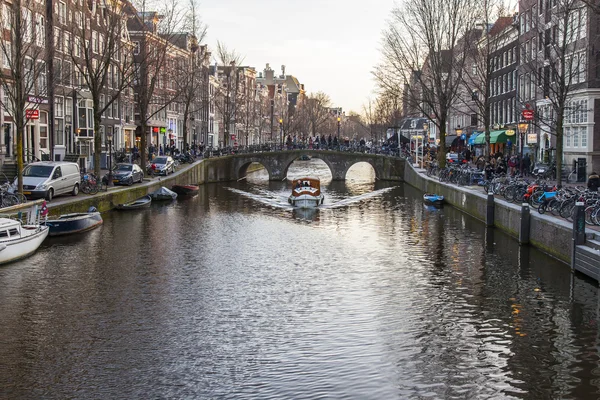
[
  {"x": 185, "y": 190},
  {"x": 306, "y": 193},
  {"x": 134, "y": 205},
  {"x": 163, "y": 194},
  {"x": 19, "y": 240},
  {"x": 433, "y": 199},
  {"x": 67, "y": 224}
]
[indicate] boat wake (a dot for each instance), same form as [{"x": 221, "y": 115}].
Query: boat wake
[
  {"x": 265, "y": 197},
  {"x": 356, "y": 199},
  {"x": 276, "y": 200}
]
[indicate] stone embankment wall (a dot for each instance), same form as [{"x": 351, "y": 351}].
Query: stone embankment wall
[{"x": 549, "y": 234}]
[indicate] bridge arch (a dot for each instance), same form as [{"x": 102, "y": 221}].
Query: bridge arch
[{"x": 278, "y": 163}]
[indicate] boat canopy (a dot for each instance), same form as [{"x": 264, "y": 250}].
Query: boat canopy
[{"x": 308, "y": 181}]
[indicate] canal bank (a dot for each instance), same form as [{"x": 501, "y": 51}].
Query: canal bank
[{"x": 547, "y": 233}]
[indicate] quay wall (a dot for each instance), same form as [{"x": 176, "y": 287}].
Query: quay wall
[
  {"x": 200, "y": 172},
  {"x": 549, "y": 234}
]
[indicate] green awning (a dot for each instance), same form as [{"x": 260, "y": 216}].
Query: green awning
[{"x": 495, "y": 137}]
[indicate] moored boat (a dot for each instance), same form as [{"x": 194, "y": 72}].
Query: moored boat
[
  {"x": 139, "y": 203},
  {"x": 306, "y": 193},
  {"x": 163, "y": 194},
  {"x": 74, "y": 223},
  {"x": 185, "y": 190},
  {"x": 18, "y": 240},
  {"x": 433, "y": 199}
]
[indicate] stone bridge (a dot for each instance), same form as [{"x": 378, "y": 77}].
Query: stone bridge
[{"x": 277, "y": 163}]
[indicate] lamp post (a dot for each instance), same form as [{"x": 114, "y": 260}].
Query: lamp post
[
  {"x": 281, "y": 130},
  {"x": 523, "y": 127},
  {"x": 339, "y": 124},
  {"x": 109, "y": 136}
]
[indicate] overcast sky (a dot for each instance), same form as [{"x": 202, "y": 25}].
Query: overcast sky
[{"x": 329, "y": 45}]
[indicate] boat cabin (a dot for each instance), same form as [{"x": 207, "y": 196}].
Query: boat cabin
[
  {"x": 311, "y": 186},
  {"x": 9, "y": 228}
]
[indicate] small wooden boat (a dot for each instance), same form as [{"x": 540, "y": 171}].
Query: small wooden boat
[
  {"x": 433, "y": 199},
  {"x": 185, "y": 190},
  {"x": 18, "y": 240},
  {"x": 139, "y": 203},
  {"x": 75, "y": 222},
  {"x": 163, "y": 194},
  {"x": 304, "y": 157},
  {"x": 306, "y": 193}
]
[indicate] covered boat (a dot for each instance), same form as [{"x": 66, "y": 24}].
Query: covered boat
[
  {"x": 139, "y": 203},
  {"x": 18, "y": 240},
  {"x": 163, "y": 194},
  {"x": 306, "y": 193},
  {"x": 185, "y": 190},
  {"x": 433, "y": 199},
  {"x": 75, "y": 222}
]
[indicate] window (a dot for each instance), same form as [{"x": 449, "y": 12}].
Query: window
[
  {"x": 567, "y": 135},
  {"x": 58, "y": 72},
  {"x": 474, "y": 120},
  {"x": 95, "y": 48},
  {"x": 584, "y": 133},
  {"x": 59, "y": 110},
  {"x": 77, "y": 49},
  {"x": 27, "y": 25},
  {"x": 40, "y": 30},
  {"x": 28, "y": 71},
  {"x": 7, "y": 55},
  {"x": 79, "y": 19},
  {"x": 69, "y": 106},
  {"x": 575, "y": 137},
  {"x": 67, "y": 74},
  {"x": 62, "y": 13},
  {"x": 67, "y": 42},
  {"x": 57, "y": 40},
  {"x": 136, "y": 48},
  {"x": 42, "y": 84}
]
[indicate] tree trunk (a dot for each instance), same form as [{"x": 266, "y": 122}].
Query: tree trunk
[
  {"x": 19, "y": 155},
  {"x": 442, "y": 149},
  {"x": 97, "y": 142},
  {"x": 143, "y": 146},
  {"x": 185, "y": 127},
  {"x": 559, "y": 148}
]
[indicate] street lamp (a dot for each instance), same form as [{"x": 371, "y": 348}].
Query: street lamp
[
  {"x": 523, "y": 127},
  {"x": 109, "y": 136},
  {"x": 339, "y": 123}
]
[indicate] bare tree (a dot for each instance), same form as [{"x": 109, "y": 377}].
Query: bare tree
[
  {"x": 190, "y": 75},
  {"x": 102, "y": 58},
  {"x": 559, "y": 72},
  {"x": 229, "y": 97},
  {"x": 153, "y": 67},
  {"x": 421, "y": 54},
  {"x": 316, "y": 111},
  {"x": 24, "y": 77}
]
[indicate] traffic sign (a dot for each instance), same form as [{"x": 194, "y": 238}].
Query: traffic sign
[
  {"x": 527, "y": 114},
  {"x": 32, "y": 114}
]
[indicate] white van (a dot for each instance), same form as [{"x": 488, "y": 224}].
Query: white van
[{"x": 50, "y": 178}]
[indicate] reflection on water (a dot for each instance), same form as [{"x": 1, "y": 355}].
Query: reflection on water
[{"x": 225, "y": 296}]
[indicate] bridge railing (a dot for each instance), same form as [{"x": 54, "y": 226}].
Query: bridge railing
[{"x": 380, "y": 150}]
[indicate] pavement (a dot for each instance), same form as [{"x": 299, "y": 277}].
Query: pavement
[{"x": 479, "y": 191}]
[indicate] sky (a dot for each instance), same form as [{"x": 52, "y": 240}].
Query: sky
[{"x": 329, "y": 45}]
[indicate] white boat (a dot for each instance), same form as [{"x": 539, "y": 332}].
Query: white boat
[
  {"x": 19, "y": 241},
  {"x": 306, "y": 193}
]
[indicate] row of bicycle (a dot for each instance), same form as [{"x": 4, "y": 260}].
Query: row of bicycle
[{"x": 546, "y": 197}]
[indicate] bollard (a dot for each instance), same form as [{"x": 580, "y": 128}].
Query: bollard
[
  {"x": 525, "y": 222},
  {"x": 489, "y": 216},
  {"x": 578, "y": 229}
]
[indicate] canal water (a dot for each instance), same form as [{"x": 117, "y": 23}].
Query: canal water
[{"x": 232, "y": 294}]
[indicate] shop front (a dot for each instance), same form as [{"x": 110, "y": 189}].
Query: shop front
[{"x": 499, "y": 142}]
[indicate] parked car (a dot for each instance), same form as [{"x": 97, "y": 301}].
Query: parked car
[
  {"x": 163, "y": 165},
  {"x": 127, "y": 174},
  {"x": 46, "y": 179}
]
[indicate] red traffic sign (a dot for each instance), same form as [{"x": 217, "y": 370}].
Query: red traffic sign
[
  {"x": 527, "y": 114},
  {"x": 32, "y": 114}
]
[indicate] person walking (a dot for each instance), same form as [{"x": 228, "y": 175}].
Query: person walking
[{"x": 593, "y": 182}]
